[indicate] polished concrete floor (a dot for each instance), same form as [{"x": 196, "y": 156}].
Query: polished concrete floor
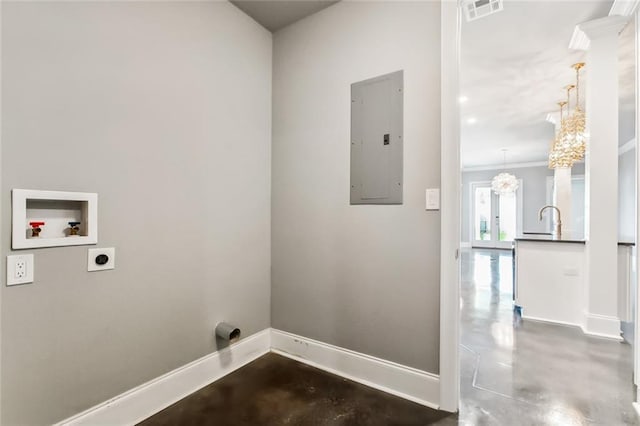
[
  {"x": 523, "y": 372},
  {"x": 513, "y": 372},
  {"x": 274, "y": 390}
]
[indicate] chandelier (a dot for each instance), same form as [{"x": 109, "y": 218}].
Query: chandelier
[
  {"x": 569, "y": 144},
  {"x": 560, "y": 156},
  {"x": 504, "y": 183},
  {"x": 576, "y": 123}
]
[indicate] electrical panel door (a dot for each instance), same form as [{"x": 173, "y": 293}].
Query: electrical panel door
[{"x": 377, "y": 140}]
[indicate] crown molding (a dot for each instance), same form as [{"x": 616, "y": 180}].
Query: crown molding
[
  {"x": 505, "y": 166},
  {"x": 551, "y": 118},
  {"x": 626, "y": 147},
  {"x": 579, "y": 40},
  {"x": 624, "y": 7},
  {"x": 608, "y": 25}
]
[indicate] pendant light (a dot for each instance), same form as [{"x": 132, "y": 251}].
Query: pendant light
[
  {"x": 504, "y": 183},
  {"x": 576, "y": 123},
  {"x": 559, "y": 154}
]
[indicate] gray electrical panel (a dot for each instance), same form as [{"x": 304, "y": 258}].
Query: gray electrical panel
[{"x": 376, "y": 140}]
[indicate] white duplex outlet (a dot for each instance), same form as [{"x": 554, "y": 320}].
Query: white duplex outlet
[{"x": 19, "y": 269}]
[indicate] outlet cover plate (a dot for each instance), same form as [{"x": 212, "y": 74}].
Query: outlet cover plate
[
  {"x": 17, "y": 274},
  {"x": 95, "y": 252}
]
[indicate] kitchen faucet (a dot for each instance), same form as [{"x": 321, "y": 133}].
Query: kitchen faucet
[{"x": 557, "y": 233}]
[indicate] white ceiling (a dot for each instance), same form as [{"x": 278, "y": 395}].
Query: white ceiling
[
  {"x": 514, "y": 66},
  {"x": 274, "y": 15}
]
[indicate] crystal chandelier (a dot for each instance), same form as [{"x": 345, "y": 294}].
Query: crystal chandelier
[
  {"x": 569, "y": 145},
  {"x": 504, "y": 183},
  {"x": 576, "y": 123},
  {"x": 560, "y": 156}
]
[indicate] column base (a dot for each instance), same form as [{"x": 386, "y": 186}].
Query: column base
[{"x": 602, "y": 326}]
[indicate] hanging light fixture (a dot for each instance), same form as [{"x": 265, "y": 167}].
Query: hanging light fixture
[
  {"x": 570, "y": 142},
  {"x": 576, "y": 123},
  {"x": 504, "y": 183},
  {"x": 560, "y": 153}
]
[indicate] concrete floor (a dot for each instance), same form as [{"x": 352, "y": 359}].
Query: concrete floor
[
  {"x": 533, "y": 373},
  {"x": 274, "y": 390},
  {"x": 513, "y": 372}
]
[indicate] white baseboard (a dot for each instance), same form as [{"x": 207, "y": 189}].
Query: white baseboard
[
  {"x": 406, "y": 382},
  {"x": 149, "y": 398},
  {"x": 602, "y": 326},
  {"x": 595, "y": 325},
  {"x": 139, "y": 403},
  {"x": 548, "y": 321}
]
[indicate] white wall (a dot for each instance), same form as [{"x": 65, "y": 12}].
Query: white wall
[
  {"x": 362, "y": 277},
  {"x": 164, "y": 110}
]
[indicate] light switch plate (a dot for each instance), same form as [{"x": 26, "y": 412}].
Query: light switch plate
[
  {"x": 433, "y": 199},
  {"x": 19, "y": 269},
  {"x": 92, "y": 258}
]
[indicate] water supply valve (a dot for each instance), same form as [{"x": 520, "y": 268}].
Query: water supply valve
[
  {"x": 74, "y": 229},
  {"x": 36, "y": 228}
]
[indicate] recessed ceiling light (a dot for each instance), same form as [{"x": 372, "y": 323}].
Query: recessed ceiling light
[
  {"x": 472, "y": 120},
  {"x": 463, "y": 99}
]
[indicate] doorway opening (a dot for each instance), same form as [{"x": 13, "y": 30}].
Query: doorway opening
[
  {"x": 496, "y": 218},
  {"x": 534, "y": 367}
]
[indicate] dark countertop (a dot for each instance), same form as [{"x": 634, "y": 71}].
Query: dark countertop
[{"x": 550, "y": 239}]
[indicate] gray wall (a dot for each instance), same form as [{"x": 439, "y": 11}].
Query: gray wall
[
  {"x": 361, "y": 277},
  {"x": 164, "y": 110},
  {"x": 534, "y": 196},
  {"x": 627, "y": 196}
]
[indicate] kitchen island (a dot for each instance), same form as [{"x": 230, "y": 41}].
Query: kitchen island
[{"x": 550, "y": 282}]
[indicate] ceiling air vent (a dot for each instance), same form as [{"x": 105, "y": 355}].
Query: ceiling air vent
[{"x": 475, "y": 9}]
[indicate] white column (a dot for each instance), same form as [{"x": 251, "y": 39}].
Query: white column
[
  {"x": 601, "y": 177},
  {"x": 562, "y": 198}
]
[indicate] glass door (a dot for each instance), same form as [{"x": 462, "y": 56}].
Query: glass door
[{"x": 495, "y": 217}]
